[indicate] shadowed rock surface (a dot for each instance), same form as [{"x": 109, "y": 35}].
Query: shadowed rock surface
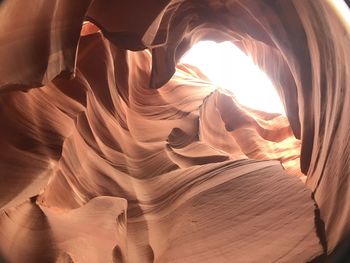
[{"x": 111, "y": 152}]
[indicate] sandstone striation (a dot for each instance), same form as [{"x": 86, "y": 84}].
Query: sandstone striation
[{"x": 113, "y": 152}]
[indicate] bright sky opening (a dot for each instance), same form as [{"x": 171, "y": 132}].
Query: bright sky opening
[{"x": 229, "y": 68}]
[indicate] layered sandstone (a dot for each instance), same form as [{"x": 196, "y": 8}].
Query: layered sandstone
[{"x": 111, "y": 152}]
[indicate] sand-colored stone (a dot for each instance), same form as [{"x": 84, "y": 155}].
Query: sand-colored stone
[{"x": 111, "y": 152}]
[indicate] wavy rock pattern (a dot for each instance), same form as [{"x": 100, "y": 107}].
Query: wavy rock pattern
[{"x": 96, "y": 166}]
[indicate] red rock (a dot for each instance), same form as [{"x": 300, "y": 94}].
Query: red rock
[{"x": 113, "y": 155}]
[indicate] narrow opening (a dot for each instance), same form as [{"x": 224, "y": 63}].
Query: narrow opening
[{"x": 229, "y": 68}]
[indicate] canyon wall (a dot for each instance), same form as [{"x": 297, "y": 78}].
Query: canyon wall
[{"x": 111, "y": 152}]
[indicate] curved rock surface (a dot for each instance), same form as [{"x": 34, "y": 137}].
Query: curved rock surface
[{"x": 112, "y": 153}]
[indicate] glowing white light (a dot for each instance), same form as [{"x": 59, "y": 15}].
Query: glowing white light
[{"x": 229, "y": 68}]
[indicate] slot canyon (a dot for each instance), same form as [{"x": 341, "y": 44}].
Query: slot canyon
[{"x": 114, "y": 150}]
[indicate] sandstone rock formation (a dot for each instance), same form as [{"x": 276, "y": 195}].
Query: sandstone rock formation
[{"x": 111, "y": 152}]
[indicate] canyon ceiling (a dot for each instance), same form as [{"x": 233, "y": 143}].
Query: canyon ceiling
[{"x": 113, "y": 152}]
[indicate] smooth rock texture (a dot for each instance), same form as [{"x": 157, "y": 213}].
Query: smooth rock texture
[{"x": 110, "y": 152}]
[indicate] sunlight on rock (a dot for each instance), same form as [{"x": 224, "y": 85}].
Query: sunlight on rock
[{"x": 229, "y": 68}]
